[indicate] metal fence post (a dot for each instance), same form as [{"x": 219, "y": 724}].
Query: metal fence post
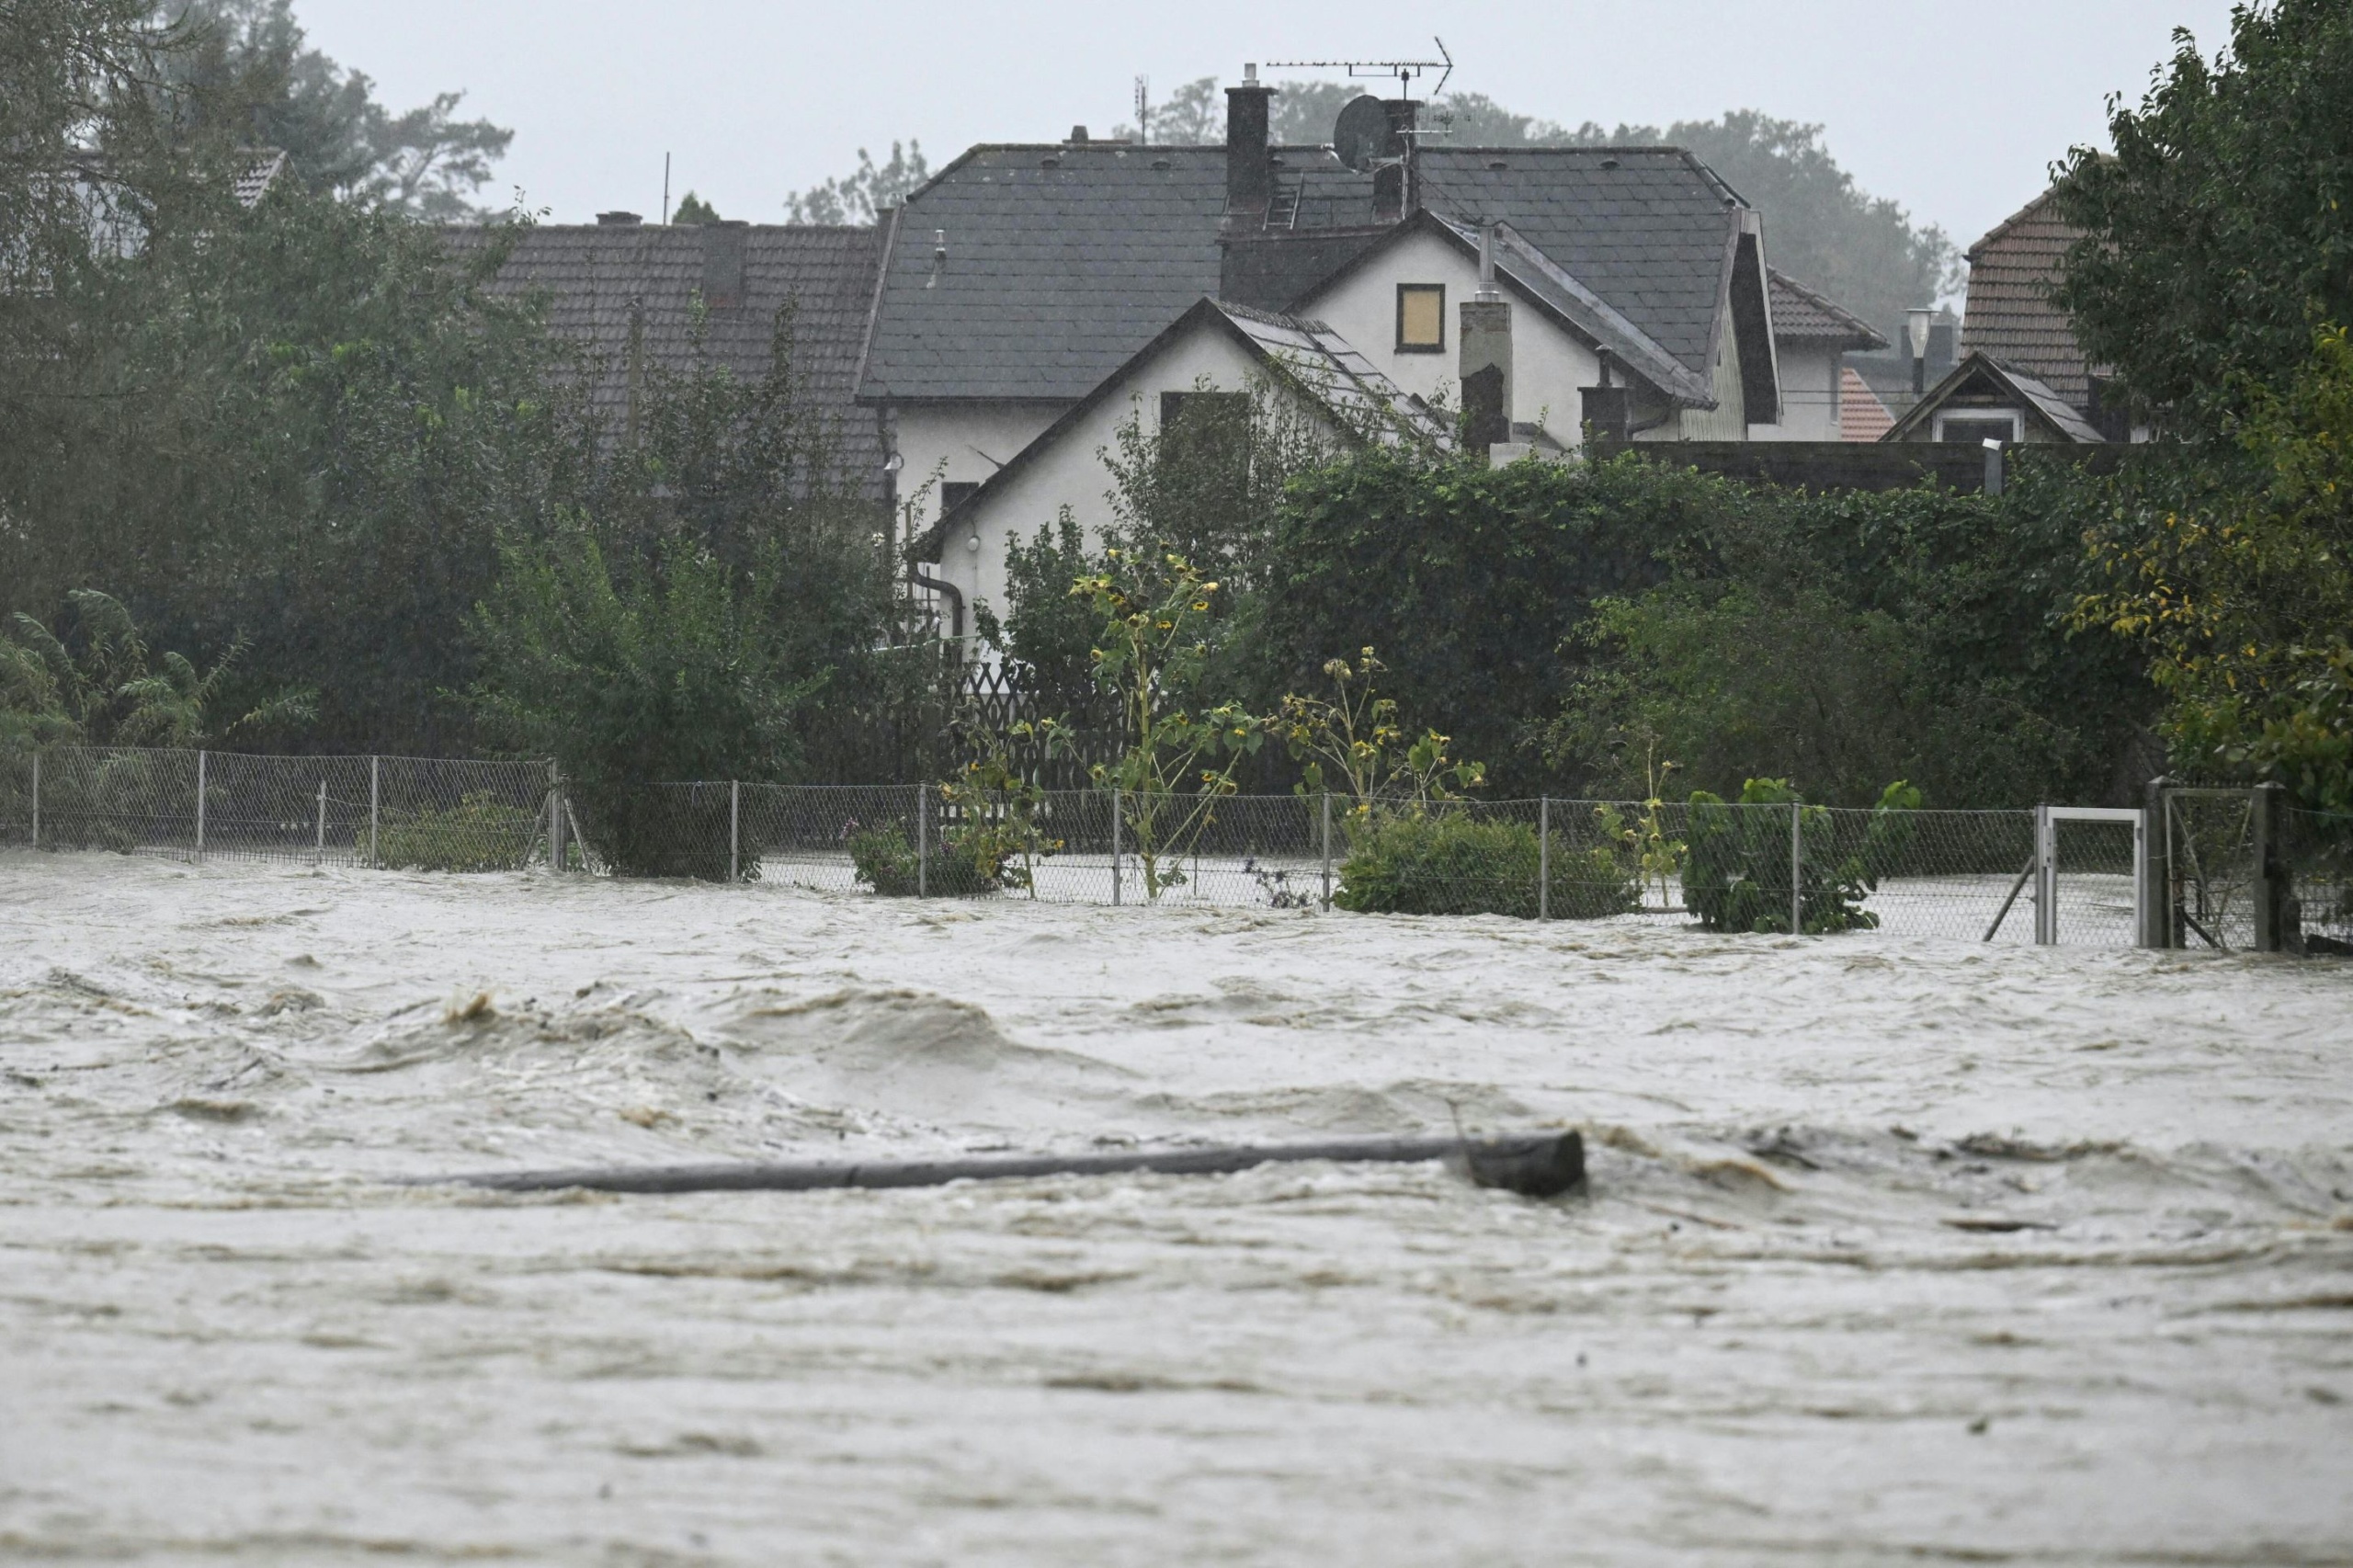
[
  {"x": 555, "y": 817},
  {"x": 923, "y": 842},
  {"x": 375, "y": 796},
  {"x": 2263, "y": 824},
  {"x": 1115, "y": 845},
  {"x": 1797, "y": 869},
  {"x": 1544, "y": 857},
  {"x": 2046, "y": 877},
  {"x": 2156, "y": 872},
  {"x": 1328, "y": 848},
  {"x": 36, "y": 799},
  {"x": 319, "y": 844},
  {"x": 734, "y": 820},
  {"x": 199, "y": 805}
]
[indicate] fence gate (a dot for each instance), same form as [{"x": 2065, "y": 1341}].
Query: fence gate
[
  {"x": 2093, "y": 887},
  {"x": 2214, "y": 867}
]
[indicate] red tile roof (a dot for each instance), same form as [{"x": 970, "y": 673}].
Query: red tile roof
[
  {"x": 1861, "y": 415},
  {"x": 2010, "y": 316}
]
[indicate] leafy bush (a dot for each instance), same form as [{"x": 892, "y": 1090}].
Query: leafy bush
[
  {"x": 1453, "y": 863},
  {"x": 886, "y": 862},
  {"x": 1736, "y": 859},
  {"x": 481, "y": 833}
]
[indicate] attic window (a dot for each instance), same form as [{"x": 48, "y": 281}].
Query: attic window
[
  {"x": 1610, "y": 163},
  {"x": 1421, "y": 318},
  {"x": 1162, "y": 164},
  {"x": 1497, "y": 164}
]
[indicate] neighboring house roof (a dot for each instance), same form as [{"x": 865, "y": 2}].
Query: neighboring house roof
[
  {"x": 1594, "y": 319},
  {"x": 1801, "y": 315},
  {"x": 1861, "y": 415},
  {"x": 2010, "y": 317},
  {"x": 604, "y": 281},
  {"x": 1063, "y": 259},
  {"x": 1980, "y": 372},
  {"x": 1307, "y": 355},
  {"x": 1060, "y": 262},
  {"x": 1652, "y": 230}
]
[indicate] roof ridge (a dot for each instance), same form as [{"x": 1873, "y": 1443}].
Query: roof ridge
[{"x": 2010, "y": 222}]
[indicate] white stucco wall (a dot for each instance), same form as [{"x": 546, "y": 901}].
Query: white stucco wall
[
  {"x": 1549, "y": 368},
  {"x": 960, "y": 441},
  {"x": 1808, "y": 395},
  {"x": 1071, "y": 472}
]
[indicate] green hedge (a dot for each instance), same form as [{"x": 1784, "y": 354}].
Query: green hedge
[{"x": 1448, "y": 862}]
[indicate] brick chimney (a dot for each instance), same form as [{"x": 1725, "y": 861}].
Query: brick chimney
[
  {"x": 1249, "y": 167},
  {"x": 722, "y": 263}
]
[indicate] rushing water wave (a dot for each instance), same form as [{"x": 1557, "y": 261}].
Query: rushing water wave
[{"x": 1891, "y": 1250}]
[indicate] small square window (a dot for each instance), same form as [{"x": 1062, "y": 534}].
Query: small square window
[
  {"x": 1421, "y": 318},
  {"x": 953, "y": 492}
]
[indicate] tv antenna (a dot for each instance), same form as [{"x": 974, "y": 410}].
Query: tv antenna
[{"x": 1403, "y": 70}]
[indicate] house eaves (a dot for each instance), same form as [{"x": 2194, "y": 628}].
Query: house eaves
[{"x": 1803, "y": 315}]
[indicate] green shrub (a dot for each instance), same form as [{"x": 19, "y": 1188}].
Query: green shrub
[
  {"x": 1452, "y": 863},
  {"x": 481, "y": 833},
  {"x": 1736, "y": 859},
  {"x": 886, "y": 862}
]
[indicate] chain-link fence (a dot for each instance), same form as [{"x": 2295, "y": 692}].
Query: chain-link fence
[
  {"x": 2315, "y": 854},
  {"x": 402, "y": 814},
  {"x": 2226, "y": 868}
]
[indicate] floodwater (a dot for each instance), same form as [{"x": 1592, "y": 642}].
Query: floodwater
[{"x": 1895, "y": 1250}]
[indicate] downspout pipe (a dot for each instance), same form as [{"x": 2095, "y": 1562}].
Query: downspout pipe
[{"x": 948, "y": 591}]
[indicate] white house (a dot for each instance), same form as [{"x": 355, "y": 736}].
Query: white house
[
  {"x": 1019, "y": 289},
  {"x": 1215, "y": 346}
]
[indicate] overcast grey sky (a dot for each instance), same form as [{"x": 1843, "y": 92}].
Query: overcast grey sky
[{"x": 1955, "y": 111}]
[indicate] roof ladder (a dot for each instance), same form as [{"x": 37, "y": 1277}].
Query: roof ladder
[{"x": 1283, "y": 212}]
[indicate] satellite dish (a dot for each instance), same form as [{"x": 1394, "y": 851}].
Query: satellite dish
[{"x": 1361, "y": 133}]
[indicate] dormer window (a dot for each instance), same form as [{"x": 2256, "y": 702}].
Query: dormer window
[{"x": 1421, "y": 318}]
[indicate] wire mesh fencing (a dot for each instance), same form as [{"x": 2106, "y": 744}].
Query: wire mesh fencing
[
  {"x": 399, "y": 813},
  {"x": 2230, "y": 868},
  {"x": 2316, "y": 853}
]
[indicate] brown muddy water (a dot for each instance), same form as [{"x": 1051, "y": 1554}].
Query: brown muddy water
[{"x": 1894, "y": 1251}]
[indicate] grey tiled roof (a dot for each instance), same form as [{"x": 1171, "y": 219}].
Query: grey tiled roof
[
  {"x": 1064, "y": 260},
  {"x": 1801, "y": 315},
  {"x": 1521, "y": 262},
  {"x": 1653, "y": 236},
  {"x": 1054, "y": 275},
  {"x": 598, "y": 278}
]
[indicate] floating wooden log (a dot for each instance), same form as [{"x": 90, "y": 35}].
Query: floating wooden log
[{"x": 1538, "y": 1164}]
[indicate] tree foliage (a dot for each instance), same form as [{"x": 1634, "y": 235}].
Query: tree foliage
[
  {"x": 2219, "y": 232},
  {"x": 94, "y": 682},
  {"x": 1573, "y": 626},
  {"x": 2239, "y": 586},
  {"x": 712, "y": 572},
  {"x": 1843, "y": 640},
  {"x": 252, "y": 60},
  {"x": 858, "y": 196}
]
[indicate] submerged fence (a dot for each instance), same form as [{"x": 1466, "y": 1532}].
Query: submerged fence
[{"x": 2227, "y": 870}]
